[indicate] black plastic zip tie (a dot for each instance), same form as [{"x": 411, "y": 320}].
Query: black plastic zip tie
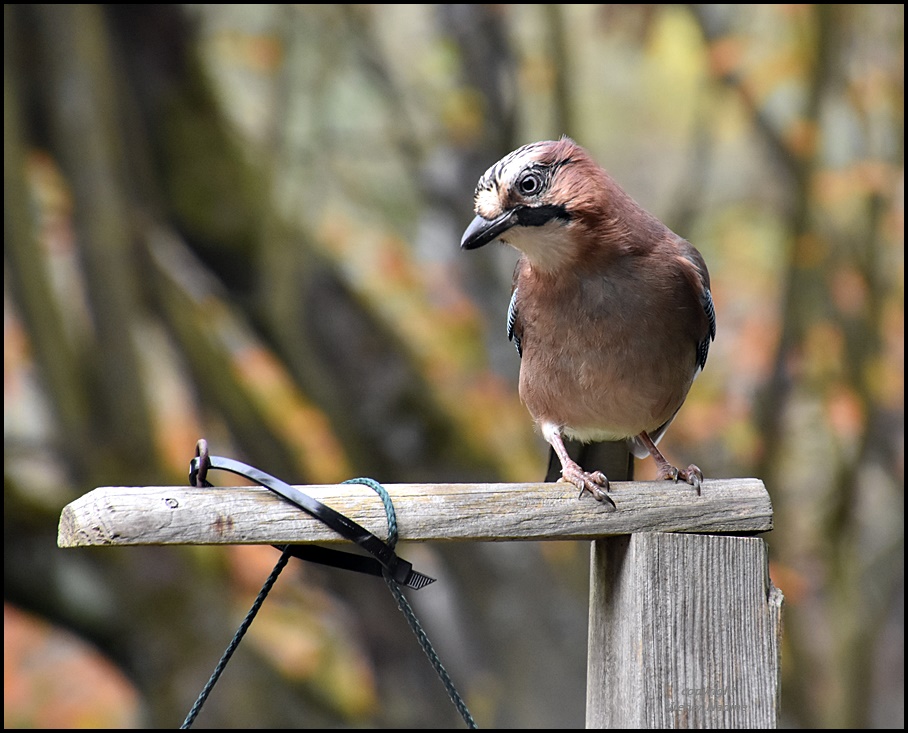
[{"x": 385, "y": 557}]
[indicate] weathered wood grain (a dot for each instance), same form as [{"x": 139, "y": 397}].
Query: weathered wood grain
[
  {"x": 122, "y": 515},
  {"x": 684, "y": 633}
]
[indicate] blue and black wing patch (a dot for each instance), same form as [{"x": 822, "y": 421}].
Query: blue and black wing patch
[
  {"x": 512, "y": 322},
  {"x": 703, "y": 346}
]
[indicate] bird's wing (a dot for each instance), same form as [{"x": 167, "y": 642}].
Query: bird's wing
[
  {"x": 698, "y": 277},
  {"x": 515, "y": 325},
  {"x": 706, "y": 300}
]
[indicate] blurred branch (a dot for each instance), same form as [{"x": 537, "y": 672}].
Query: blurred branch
[
  {"x": 480, "y": 33},
  {"x": 402, "y": 130},
  {"x": 26, "y": 267},
  {"x": 711, "y": 20},
  {"x": 880, "y": 443},
  {"x": 488, "y": 79},
  {"x": 81, "y": 98},
  {"x": 814, "y": 256},
  {"x": 689, "y": 196},
  {"x": 800, "y": 280},
  {"x": 237, "y": 373},
  {"x": 564, "y": 119}
]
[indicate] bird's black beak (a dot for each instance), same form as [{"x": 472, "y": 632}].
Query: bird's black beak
[{"x": 482, "y": 231}]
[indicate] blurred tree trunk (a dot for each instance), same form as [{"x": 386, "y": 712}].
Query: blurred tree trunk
[
  {"x": 81, "y": 100},
  {"x": 55, "y": 354},
  {"x": 487, "y": 99}
]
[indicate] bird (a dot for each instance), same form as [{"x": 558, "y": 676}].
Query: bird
[{"x": 610, "y": 310}]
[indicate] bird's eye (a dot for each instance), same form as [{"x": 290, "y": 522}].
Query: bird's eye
[{"x": 530, "y": 183}]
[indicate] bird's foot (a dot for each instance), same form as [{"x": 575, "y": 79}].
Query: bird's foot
[
  {"x": 594, "y": 482},
  {"x": 692, "y": 475}
]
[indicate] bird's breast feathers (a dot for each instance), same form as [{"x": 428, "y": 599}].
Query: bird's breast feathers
[{"x": 597, "y": 356}]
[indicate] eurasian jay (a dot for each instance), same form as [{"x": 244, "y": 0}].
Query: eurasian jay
[{"x": 610, "y": 310}]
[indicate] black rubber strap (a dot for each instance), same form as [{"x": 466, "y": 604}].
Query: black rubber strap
[{"x": 384, "y": 556}]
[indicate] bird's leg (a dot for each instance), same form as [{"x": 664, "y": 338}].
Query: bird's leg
[
  {"x": 691, "y": 474},
  {"x": 595, "y": 482}
]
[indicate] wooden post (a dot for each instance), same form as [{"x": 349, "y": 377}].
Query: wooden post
[
  {"x": 684, "y": 633},
  {"x": 684, "y": 628}
]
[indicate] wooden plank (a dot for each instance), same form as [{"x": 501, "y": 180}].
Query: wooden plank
[
  {"x": 684, "y": 633},
  {"x": 538, "y": 511}
]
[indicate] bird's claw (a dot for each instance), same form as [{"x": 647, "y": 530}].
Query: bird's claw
[
  {"x": 691, "y": 475},
  {"x": 594, "y": 482}
]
